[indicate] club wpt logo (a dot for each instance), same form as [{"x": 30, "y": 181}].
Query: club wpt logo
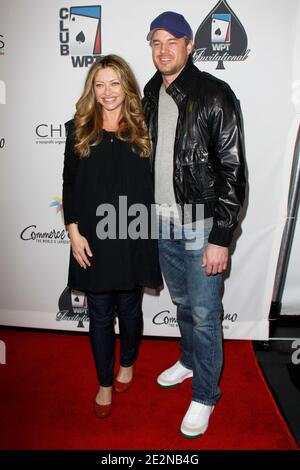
[
  {"x": 221, "y": 37},
  {"x": 80, "y": 34}
]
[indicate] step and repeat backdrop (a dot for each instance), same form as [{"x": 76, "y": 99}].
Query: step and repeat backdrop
[{"x": 46, "y": 48}]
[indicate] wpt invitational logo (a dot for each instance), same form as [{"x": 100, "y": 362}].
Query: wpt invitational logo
[
  {"x": 221, "y": 37},
  {"x": 80, "y": 34},
  {"x": 72, "y": 306}
]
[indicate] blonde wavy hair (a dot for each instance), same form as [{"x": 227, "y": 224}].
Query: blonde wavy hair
[{"x": 88, "y": 117}]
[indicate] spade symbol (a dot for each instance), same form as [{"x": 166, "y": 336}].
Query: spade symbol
[
  {"x": 76, "y": 299},
  {"x": 80, "y": 37},
  {"x": 238, "y": 37}
]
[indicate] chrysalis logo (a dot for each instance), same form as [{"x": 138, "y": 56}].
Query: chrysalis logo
[
  {"x": 2, "y": 92},
  {"x": 221, "y": 37}
]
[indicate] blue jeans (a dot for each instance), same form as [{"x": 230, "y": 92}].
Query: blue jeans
[
  {"x": 102, "y": 306},
  {"x": 199, "y": 305}
]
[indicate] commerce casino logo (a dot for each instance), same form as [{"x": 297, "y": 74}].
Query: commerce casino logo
[
  {"x": 80, "y": 34},
  {"x": 221, "y": 37},
  {"x": 165, "y": 317},
  {"x": 52, "y": 236},
  {"x": 228, "y": 319}
]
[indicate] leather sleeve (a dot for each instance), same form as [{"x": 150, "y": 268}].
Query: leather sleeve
[{"x": 228, "y": 157}]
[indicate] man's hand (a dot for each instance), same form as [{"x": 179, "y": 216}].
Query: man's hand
[{"x": 215, "y": 259}]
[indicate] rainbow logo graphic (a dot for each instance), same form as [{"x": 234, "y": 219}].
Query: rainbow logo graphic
[{"x": 57, "y": 202}]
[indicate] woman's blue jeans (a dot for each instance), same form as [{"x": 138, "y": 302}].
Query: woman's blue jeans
[
  {"x": 102, "y": 307},
  {"x": 199, "y": 305}
]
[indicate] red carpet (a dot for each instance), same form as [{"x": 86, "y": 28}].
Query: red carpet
[{"x": 48, "y": 386}]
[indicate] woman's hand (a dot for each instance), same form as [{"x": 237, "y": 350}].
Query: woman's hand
[{"x": 80, "y": 246}]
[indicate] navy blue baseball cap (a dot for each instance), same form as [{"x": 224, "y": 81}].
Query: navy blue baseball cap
[{"x": 172, "y": 22}]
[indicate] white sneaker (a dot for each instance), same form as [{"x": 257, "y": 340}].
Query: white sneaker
[
  {"x": 174, "y": 375},
  {"x": 195, "y": 421}
]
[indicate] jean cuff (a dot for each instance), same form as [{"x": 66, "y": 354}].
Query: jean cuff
[
  {"x": 205, "y": 402},
  {"x": 189, "y": 368}
]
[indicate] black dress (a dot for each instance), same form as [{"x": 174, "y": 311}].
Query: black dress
[{"x": 112, "y": 170}]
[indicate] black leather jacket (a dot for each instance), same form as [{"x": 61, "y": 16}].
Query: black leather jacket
[{"x": 208, "y": 148}]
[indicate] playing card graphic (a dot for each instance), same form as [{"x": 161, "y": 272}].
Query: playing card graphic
[
  {"x": 220, "y": 28},
  {"x": 77, "y": 299},
  {"x": 84, "y": 30}
]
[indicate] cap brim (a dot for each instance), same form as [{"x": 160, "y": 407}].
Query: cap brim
[{"x": 176, "y": 34}]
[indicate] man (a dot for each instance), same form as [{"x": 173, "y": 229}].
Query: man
[{"x": 195, "y": 126}]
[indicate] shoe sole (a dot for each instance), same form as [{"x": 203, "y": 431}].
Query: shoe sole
[
  {"x": 191, "y": 437},
  {"x": 169, "y": 386},
  {"x": 173, "y": 385}
]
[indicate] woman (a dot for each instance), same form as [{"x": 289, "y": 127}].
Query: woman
[{"x": 106, "y": 171}]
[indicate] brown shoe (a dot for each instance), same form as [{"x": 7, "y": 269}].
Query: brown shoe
[
  {"x": 102, "y": 411},
  {"x": 121, "y": 387}
]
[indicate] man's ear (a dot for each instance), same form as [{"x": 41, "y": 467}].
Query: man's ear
[{"x": 190, "y": 47}]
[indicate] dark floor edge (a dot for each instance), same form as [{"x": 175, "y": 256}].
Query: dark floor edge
[
  {"x": 78, "y": 333},
  {"x": 274, "y": 395}
]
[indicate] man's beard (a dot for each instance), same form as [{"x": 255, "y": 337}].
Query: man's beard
[{"x": 171, "y": 71}]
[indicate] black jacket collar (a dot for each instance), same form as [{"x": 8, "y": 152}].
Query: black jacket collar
[{"x": 180, "y": 88}]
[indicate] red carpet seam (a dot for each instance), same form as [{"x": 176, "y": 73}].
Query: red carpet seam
[{"x": 272, "y": 399}]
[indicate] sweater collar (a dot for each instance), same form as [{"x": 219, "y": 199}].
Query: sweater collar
[{"x": 179, "y": 89}]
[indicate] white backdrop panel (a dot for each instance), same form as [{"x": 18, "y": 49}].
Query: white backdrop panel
[{"x": 42, "y": 87}]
